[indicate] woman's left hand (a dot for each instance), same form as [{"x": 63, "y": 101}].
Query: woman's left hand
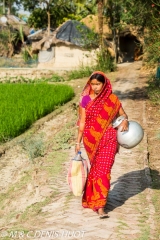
[{"x": 124, "y": 125}]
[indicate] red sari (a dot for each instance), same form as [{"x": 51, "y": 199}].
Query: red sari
[{"x": 100, "y": 143}]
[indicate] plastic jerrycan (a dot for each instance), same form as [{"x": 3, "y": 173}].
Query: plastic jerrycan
[{"x": 78, "y": 156}]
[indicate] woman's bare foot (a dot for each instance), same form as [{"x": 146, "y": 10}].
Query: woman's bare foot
[{"x": 102, "y": 213}]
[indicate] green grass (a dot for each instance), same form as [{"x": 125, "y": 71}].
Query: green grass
[
  {"x": 153, "y": 90},
  {"x": 80, "y": 73},
  {"x": 22, "y": 104}
]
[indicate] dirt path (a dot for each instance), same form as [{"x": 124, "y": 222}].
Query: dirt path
[
  {"x": 60, "y": 214},
  {"x": 129, "y": 204}
]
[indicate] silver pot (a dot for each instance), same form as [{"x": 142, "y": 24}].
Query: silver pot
[
  {"x": 117, "y": 121},
  {"x": 132, "y": 137}
]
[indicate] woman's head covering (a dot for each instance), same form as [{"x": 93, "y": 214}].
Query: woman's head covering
[
  {"x": 100, "y": 112},
  {"x": 106, "y": 90}
]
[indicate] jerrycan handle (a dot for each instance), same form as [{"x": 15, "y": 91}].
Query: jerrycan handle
[{"x": 78, "y": 156}]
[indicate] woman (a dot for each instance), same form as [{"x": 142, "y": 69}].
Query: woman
[{"x": 98, "y": 108}]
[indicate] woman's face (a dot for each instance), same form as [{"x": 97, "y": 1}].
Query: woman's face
[{"x": 96, "y": 86}]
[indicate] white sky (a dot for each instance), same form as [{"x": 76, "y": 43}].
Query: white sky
[{"x": 21, "y": 11}]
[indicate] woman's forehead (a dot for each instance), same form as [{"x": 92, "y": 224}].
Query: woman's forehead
[{"x": 94, "y": 80}]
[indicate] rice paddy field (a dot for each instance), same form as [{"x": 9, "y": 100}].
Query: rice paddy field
[{"x": 21, "y": 104}]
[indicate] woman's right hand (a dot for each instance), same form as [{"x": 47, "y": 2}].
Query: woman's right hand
[{"x": 77, "y": 148}]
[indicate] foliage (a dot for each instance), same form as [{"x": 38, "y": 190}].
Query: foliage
[
  {"x": 9, "y": 38},
  {"x": 10, "y": 5},
  {"x": 34, "y": 147},
  {"x": 84, "y": 8},
  {"x": 152, "y": 46},
  {"x": 105, "y": 61},
  {"x": 152, "y": 36},
  {"x": 147, "y": 21},
  {"x": 9, "y": 35},
  {"x": 58, "y": 9},
  {"x": 56, "y": 78},
  {"x": 147, "y": 12},
  {"x": 25, "y": 55},
  {"x": 84, "y": 71},
  {"x": 4, "y": 36},
  {"x": 23, "y": 104},
  {"x": 38, "y": 19},
  {"x": 153, "y": 89},
  {"x": 1, "y": 10},
  {"x": 21, "y": 79}
]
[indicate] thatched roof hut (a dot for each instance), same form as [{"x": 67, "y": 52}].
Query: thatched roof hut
[
  {"x": 70, "y": 33},
  {"x": 70, "y": 45}
]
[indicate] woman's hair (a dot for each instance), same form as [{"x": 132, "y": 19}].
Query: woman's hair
[{"x": 98, "y": 76}]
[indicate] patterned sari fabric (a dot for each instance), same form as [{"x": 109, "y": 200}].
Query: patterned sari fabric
[{"x": 100, "y": 142}]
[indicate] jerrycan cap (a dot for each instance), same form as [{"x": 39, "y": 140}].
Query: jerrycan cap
[{"x": 78, "y": 156}]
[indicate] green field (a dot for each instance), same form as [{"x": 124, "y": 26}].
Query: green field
[{"x": 22, "y": 104}]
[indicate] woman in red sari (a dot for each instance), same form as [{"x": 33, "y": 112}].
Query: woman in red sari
[{"x": 98, "y": 108}]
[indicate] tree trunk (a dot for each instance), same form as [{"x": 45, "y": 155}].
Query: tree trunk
[
  {"x": 10, "y": 50},
  {"x": 115, "y": 44},
  {"x": 100, "y": 21},
  {"x": 49, "y": 22},
  {"x": 9, "y": 7},
  {"x": 4, "y": 7}
]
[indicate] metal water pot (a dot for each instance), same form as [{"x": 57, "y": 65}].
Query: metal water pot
[{"x": 132, "y": 137}]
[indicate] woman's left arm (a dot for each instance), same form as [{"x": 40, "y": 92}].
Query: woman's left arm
[{"x": 124, "y": 124}]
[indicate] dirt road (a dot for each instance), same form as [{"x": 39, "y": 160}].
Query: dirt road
[{"x": 60, "y": 214}]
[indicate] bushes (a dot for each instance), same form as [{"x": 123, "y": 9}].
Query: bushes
[
  {"x": 153, "y": 90},
  {"x": 105, "y": 63}
]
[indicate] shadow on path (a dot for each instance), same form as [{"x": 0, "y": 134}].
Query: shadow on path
[
  {"x": 127, "y": 186},
  {"x": 135, "y": 94}
]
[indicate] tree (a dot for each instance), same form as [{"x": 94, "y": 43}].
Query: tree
[
  {"x": 147, "y": 18},
  {"x": 141, "y": 13},
  {"x": 85, "y": 7},
  {"x": 8, "y": 6},
  {"x": 55, "y": 10}
]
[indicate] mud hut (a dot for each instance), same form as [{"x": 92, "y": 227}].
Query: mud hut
[
  {"x": 128, "y": 41},
  {"x": 69, "y": 46},
  {"x": 130, "y": 45}
]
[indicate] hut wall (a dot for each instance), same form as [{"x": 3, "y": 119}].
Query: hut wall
[{"x": 69, "y": 57}]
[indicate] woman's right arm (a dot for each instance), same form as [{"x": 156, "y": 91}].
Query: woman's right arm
[{"x": 80, "y": 129}]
